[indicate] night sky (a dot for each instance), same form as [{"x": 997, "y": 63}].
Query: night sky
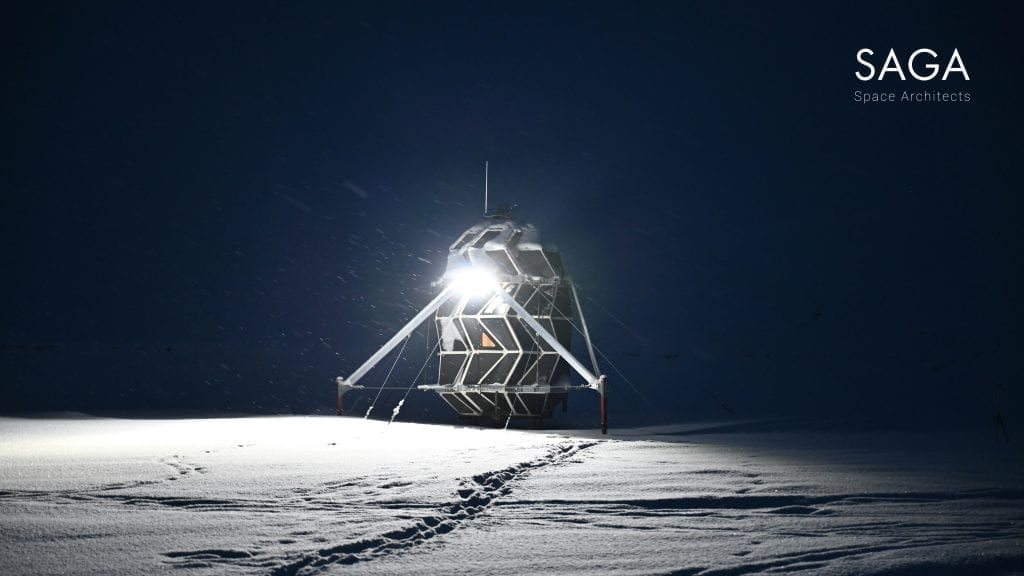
[{"x": 223, "y": 206}]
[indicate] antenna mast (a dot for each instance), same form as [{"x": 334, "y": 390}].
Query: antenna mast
[{"x": 485, "y": 186}]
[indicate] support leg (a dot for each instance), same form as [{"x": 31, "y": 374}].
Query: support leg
[
  {"x": 603, "y": 389},
  {"x": 395, "y": 340}
]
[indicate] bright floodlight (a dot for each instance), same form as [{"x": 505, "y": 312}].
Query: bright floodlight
[{"x": 474, "y": 282}]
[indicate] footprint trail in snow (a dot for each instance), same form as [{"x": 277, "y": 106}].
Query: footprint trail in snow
[{"x": 475, "y": 495}]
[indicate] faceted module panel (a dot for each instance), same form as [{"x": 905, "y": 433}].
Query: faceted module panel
[
  {"x": 450, "y": 367},
  {"x": 474, "y": 306},
  {"x": 485, "y": 238},
  {"x": 504, "y": 262},
  {"x": 500, "y": 373},
  {"x": 524, "y": 334},
  {"x": 458, "y": 404},
  {"x": 453, "y": 338},
  {"x": 555, "y": 259},
  {"x": 477, "y": 366},
  {"x": 501, "y": 333},
  {"x": 524, "y": 292},
  {"x": 526, "y": 373},
  {"x": 479, "y": 338},
  {"x": 562, "y": 331},
  {"x": 534, "y": 263},
  {"x": 545, "y": 367}
]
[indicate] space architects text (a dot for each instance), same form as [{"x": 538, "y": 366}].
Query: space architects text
[{"x": 919, "y": 66}]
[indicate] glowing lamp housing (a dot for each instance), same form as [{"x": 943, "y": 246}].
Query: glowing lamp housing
[{"x": 473, "y": 282}]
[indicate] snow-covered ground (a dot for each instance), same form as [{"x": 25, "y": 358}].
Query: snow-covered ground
[{"x": 311, "y": 495}]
